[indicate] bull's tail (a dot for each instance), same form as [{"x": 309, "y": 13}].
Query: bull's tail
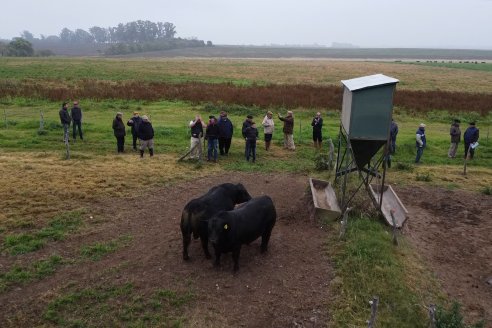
[{"x": 189, "y": 223}]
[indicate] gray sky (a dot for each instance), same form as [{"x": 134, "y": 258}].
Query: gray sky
[{"x": 365, "y": 23}]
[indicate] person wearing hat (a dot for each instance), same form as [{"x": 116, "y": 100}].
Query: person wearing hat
[
  {"x": 288, "y": 130},
  {"x": 251, "y": 135},
  {"x": 65, "y": 120},
  {"x": 146, "y": 136},
  {"x": 119, "y": 132},
  {"x": 455, "y": 134},
  {"x": 268, "y": 127},
  {"x": 470, "y": 137},
  {"x": 134, "y": 122},
  {"x": 317, "y": 125},
  {"x": 212, "y": 135},
  {"x": 420, "y": 142},
  {"x": 77, "y": 120},
  {"x": 226, "y": 130},
  {"x": 196, "y": 127}
]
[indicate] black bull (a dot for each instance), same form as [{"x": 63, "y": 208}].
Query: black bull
[
  {"x": 198, "y": 211},
  {"x": 229, "y": 230}
]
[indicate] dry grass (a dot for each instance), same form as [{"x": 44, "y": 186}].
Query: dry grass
[{"x": 38, "y": 185}]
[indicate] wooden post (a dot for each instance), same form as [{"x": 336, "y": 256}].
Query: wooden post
[
  {"x": 395, "y": 231},
  {"x": 344, "y": 223},
  {"x": 67, "y": 146},
  {"x": 432, "y": 315},
  {"x": 41, "y": 121},
  {"x": 374, "y": 308}
]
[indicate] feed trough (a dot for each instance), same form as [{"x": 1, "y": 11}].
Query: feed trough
[
  {"x": 324, "y": 199},
  {"x": 390, "y": 201}
]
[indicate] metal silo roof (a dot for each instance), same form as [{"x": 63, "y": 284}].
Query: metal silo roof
[{"x": 368, "y": 81}]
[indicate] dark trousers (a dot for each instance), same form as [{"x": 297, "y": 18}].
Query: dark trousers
[
  {"x": 420, "y": 151},
  {"x": 224, "y": 145},
  {"x": 120, "y": 142},
  {"x": 135, "y": 137},
  {"x": 467, "y": 148},
  {"x": 250, "y": 149},
  {"x": 77, "y": 125}
]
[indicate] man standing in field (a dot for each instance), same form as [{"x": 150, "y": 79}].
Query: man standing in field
[
  {"x": 455, "y": 134},
  {"x": 470, "y": 137},
  {"x": 268, "y": 127},
  {"x": 392, "y": 145},
  {"x": 146, "y": 136},
  {"x": 134, "y": 122},
  {"x": 420, "y": 142},
  {"x": 196, "y": 127},
  {"x": 65, "y": 120},
  {"x": 288, "y": 130},
  {"x": 246, "y": 124},
  {"x": 77, "y": 120},
  {"x": 317, "y": 125},
  {"x": 226, "y": 130}
]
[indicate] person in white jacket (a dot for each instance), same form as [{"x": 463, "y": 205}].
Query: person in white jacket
[{"x": 268, "y": 127}]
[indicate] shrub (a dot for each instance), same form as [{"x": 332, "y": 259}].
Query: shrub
[
  {"x": 423, "y": 177},
  {"x": 403, "y": 167},
  {"x": 453, "y": 318},
  {"x": 487, "y": 190}
]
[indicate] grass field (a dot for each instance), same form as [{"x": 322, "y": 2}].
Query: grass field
[{"x": 43, "y": 196}]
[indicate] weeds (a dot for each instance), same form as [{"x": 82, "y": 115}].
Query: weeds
[
  {"x": 453, "y": 318},
  {"x": 98, "y": 250},
  {"x": 426, "y": 177},
  {"x": 400, "y": 166},
  {"x": 487, "y": 190}
]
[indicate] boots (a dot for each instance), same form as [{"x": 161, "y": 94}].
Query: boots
[
  {"x": 141, "y": 153},
  {"x": 151, "y": 151}
]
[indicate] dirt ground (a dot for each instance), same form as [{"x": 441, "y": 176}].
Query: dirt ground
[
  {"x": 452, "y": 231},
  {"x": 286, "y": 287}
]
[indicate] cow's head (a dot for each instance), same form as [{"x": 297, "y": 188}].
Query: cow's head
[
  {"x": 218, "y": 227},
  {"x": 242, "y": 194}
]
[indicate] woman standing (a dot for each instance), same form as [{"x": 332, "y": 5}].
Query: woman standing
[
  {"x": 119, "y": 132},
  {"x": 268, "y": 126}
]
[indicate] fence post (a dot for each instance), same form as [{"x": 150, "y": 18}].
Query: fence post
[
  {"x": 5, "y": 117},
  {"x": 432, "y": 315},
  {"x": 300, "y": 132},
  {"x": 41, "y": 122},
  {"x": 374, "y": 308}
]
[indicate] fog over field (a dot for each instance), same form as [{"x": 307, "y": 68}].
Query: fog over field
[{"x": 365, "y": 24}]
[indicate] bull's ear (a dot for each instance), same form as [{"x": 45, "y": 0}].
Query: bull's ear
[{"x": 226, "y": 226}]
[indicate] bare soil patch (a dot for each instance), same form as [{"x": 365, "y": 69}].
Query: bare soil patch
[
  {"x": 452, "y": 231},
  {"x": 287, "y": 286}
]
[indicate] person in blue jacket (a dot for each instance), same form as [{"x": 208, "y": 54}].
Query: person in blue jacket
[
  {"x": 420, "y": 142},
  {"x": 226, "y": 130},
  {"x": 471, "y": 136}
]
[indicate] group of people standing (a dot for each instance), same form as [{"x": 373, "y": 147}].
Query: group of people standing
[
  {"x": 219, "y": 132},
  {"x": 141, "y": 129},
  {"x": 73, "y": 117}
]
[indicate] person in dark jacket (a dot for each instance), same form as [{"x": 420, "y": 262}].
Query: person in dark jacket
[
  {"x": 77, "y": 120},
  {"x": 317, "y": 125},
  {"x": 470, "y": 137},
  {"x": 288, "y": 130},
  {"x": 246, "y": 124},
  {"x": 65, "y": 120},
  {"x": 212, "y": 135},
  {"x": 420, "y": 142},
  {"x": 226, "y": 130},
  {"x": 146, "y": 136},
  {"x": 392, "y": 144},
  {"x": 134, "y": 122},
  {"x": 455, "y": 134},
  {"x": 251, "y": 134},
  {"x": 119, "y": 132}
]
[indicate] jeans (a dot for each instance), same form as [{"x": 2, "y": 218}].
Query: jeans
[
  {"x": 250, "y": 149},
  {"x": 420, "y": 151},
  {"x": 212, "y": 149},
  {"x": 77, "y": 124},
  {"x": 452, "y": 150}
]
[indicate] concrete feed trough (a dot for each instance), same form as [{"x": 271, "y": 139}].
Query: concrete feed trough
[
  {"x": 390, "y": 202},
  {"x": 324, "y": 199}
]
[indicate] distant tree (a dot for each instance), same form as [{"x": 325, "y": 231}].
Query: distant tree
[
  {"x": 82, "y": 36},
  {"x": 170, "y": 30},
  {"x": 44, "y": 53},
  {"x": 52, "y": 38},
  {"x": 20, "y": 47},
  {"x": 209, "y": 44},
  {"x": 99, "y": 34},
  {"x": 66, "y": 35},
  {"x": 27, "y": 35},
  {"x": 3, "y": 48}
]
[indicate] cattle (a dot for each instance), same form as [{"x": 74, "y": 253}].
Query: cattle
[
  {"x": 198, "y": 211},
  {"x": 228, "y": 230}
]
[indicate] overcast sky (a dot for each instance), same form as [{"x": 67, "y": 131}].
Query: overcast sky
[{"x": 365, "y": 23}]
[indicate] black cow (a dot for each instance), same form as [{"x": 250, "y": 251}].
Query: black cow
[
  {"x": 227, "y": 231},
  {"x": 198, "y": 211}
]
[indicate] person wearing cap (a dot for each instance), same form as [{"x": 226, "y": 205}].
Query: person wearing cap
[
  {"x": 65, "y": 120},
  {"x": 146, "y": 136},
  {"x": 288, "y": 130},
  {"x": 212, "y": 134},
  {"x": 226, "y": 130},
  {"x": 317, "y": 125},
  {"x": 77, "y": 120},
  {"x": 119, "y": 132},
  {"x": 268, "y": 127},
  {"x": 470, "y": 137},
  {"x": 251, "y": 134},
  {"x": 196, "y": 127},
  {"x": 455, "y": 134},
  {"x": 420, "y": 142},
  {"x": 134, "y": 122}
]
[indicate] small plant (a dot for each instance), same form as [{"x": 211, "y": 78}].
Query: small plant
[
  {"x": 322, "y": 162},
  {"x": 487, "y": 190},
  {"x": 453, "y": 318},
  {"x": 403, "y": 167},
  {"x": 423, "y": 177}
]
